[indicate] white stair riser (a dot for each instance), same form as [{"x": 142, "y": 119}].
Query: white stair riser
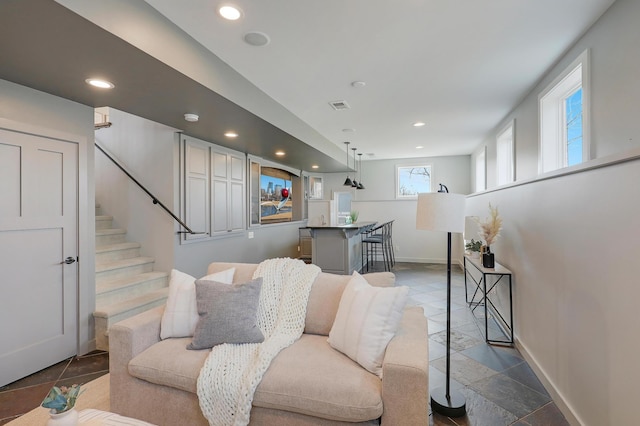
[
  {"x": 129, "y": 292},
  {"x": 127, "y": 271},
  {"x": 103, "y": 324},
  {"x": 103, "y": 240},
  {"x": 112, "y": 255},
  {"x": 103, "y": 223}
]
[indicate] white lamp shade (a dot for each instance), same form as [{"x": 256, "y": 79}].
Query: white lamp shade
[
  {"x": 471, "y": 228},
  {"x": 440, "y": 211}
]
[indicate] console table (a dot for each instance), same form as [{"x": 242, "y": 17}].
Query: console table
[{"x": 486, "y": 285}]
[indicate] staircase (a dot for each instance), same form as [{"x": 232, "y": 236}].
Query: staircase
[{"x": 125, "y": 281}]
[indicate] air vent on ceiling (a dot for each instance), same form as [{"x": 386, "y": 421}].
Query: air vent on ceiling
[{"x": 339, "y": 105}]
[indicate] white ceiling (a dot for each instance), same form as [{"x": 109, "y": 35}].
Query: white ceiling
[{"x": 458, "y": 65}]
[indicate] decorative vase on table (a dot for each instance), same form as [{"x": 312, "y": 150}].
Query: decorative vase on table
[
  {"x": 488, "y": 259},
  {"x": 66, "y": 418}
]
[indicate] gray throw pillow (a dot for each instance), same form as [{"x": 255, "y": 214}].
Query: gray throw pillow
[{"x": 228, "y": 314}]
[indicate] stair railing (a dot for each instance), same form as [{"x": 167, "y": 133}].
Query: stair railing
[{"x": 154, "y": 199}]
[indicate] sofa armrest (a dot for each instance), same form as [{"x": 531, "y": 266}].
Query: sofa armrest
[
  {"x": 131, "y": 336},
  {"x": 405, "y": 372}
]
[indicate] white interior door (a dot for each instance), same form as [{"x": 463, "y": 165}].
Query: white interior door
[{"x": 38, "y": 231}]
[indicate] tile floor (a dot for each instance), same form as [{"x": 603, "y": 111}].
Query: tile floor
[
  {"x": 499, "y": 386},
  {"x": 26, "y": 394}
]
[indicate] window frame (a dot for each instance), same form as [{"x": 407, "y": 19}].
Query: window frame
[
  {"x": 503, "y": 140},
  {"x": 400, "y": 168},
  {"x": 552, "y": 134},
  {"x": 482, "y": 154}
]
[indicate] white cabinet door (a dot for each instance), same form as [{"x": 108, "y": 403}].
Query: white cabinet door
[{"x": 214, "y": 195}]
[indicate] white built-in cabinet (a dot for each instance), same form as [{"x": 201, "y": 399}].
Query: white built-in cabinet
[{"x": 214, "y": 189}]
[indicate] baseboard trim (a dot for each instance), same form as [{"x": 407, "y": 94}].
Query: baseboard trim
[{"x": 566, "y": 409}]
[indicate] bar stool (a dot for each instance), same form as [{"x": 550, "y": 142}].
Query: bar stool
[{"x": 380, "y": 236}]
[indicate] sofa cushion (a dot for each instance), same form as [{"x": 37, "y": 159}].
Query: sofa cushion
[
  {"x": 325, "y": 298},
  {"x": 325, "y": 293},
  {"x": 180, "y": 316},
  {"x": 310, "y": 377},
  {"x": 367, "y": 319},
  {"x": 169, "y": 363},
  {"x": 228, "y": 314}
]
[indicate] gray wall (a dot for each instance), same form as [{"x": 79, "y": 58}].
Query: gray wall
[
  {"x": 26, "y": 109},
  {"x": 150, "y": 152},
  {"x": 146, "y": 150},
  {"x": 378, "y": 203},
  {"x": 571, "y": 239}
]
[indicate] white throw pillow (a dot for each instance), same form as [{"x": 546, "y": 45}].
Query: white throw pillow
[
  {"x": 181, "y": 313},
  {"x": 367, "y": 319}
]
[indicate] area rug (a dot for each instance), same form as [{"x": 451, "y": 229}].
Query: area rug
[{"x": 95, "y": 395}]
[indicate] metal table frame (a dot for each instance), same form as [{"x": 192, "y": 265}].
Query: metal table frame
[{"x": 482, "y": 292}]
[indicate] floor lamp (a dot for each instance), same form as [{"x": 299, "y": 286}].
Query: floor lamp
[{"x": 444, "y": 212}]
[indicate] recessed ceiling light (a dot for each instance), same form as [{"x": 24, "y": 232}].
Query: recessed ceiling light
[
  {"x": 279, "y": 153},
  {"x": 348, "y": 130},
  {"x": 102, "y": 84},
  {"x": 358, "y": 84},
  {"x": 231, "y": 134},
  {"x": 191, "y": 117},
  {"x": 419, "y": 147},
  {"x": 315, "y": 166},
  {"x": 231, "y": 13},
  {"x": 255, "y": 38},
  {"x": 418, "y": 124}
]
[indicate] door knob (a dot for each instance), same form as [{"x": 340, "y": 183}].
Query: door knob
[{"x": 69, "y": 260}]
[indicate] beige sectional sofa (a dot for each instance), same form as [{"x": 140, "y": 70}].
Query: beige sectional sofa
[{"x": 308, "y": 383}]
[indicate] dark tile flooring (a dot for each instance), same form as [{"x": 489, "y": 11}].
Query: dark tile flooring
[
  {"x": 26, "y": 394},
  {"x": 499, "y": 386}
]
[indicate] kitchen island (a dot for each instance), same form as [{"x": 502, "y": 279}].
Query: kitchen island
[{"x": 337, "y": 248}]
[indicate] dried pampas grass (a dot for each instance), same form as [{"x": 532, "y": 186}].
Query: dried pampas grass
[{"x": 490, "y": 228}]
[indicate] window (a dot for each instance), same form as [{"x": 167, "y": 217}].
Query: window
[
  {"x": 481, "y": 170},
  {"x": 564, "y": 112},
  {"x": 412, "y": 180},
  {"x": 505, "y": 158}
]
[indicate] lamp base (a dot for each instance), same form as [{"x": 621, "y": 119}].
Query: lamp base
[{"x": 454, "y": 406}]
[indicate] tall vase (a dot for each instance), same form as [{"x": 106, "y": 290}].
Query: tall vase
[
  {"x": 488, "y": 259},
  {"x": 66, "y": 418}
]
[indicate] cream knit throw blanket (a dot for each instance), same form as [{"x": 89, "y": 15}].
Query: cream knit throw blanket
[{"x": 232, "y": 372}]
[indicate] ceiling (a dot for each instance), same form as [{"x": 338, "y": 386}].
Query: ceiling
[{"x": 458, "y": 67}]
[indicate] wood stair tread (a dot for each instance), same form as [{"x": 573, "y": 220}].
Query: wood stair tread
[
  {"x": 118, "y": 283},
  {"x": 121, "y": 307}
]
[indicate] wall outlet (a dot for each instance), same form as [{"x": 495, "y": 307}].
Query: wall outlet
[
  {"x": 250, "y": 234},
  {"x": 397, "y": 247}
]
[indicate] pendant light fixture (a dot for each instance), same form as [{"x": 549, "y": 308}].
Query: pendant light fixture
[
  {"x": 360, "y": 185},
  {"x": 355, "y": 183},
  {"x": 348, "y": 181}
]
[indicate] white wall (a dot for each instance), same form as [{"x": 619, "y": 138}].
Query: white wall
[
  {"x": 146, "y": 150},
  {"x": 378, "y": 203},
  {"x": 26, "y": 109},
  {"x": 571, "y": 239}
]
